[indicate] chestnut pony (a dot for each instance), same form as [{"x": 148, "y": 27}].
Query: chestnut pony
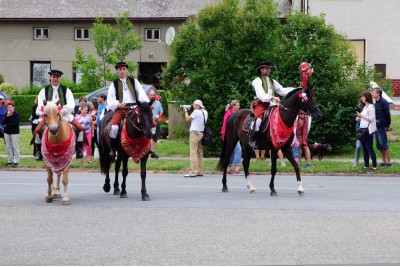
[{"x": 58, "y": 147}]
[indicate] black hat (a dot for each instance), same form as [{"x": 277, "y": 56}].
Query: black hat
[
  {"x": 265, "y": 64},
  {"x": 56, "y": 72},
  {"x": 121, "y": 64}
]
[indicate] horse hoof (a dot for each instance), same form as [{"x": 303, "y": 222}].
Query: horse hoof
[
  {"x": 225, "y": 190},
  {"x": 301, "y": 193},
  {"x": 66, "y": 202},
  {"x": 123, "y": 195},
  {"x": 57, "y": 196},
  {"x": 145, "y": 197},
  {"x": 253, "y": 191},
  {"x": 274, "y": 194},
  {"x": 49, "y": 199},
  {"x": 106, "y": 188},
  {"x": 117, "y": 191}
]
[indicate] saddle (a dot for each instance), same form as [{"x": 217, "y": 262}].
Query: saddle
[{"x": 264, "y": 123}]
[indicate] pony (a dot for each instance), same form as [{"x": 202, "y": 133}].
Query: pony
[
  {"x": 58, "y": 148},
  {"x": 284, "y": 115},
  {"x": 135, "y": 135}
]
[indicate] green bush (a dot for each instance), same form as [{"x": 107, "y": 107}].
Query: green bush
[
  {"x": 164, "y": 101},
  {"x": 8, "y": 88},
  {"x": 30, "y": 90},
  {"x": 1, "y": 79},
  {"x": 23, "y": 104}
]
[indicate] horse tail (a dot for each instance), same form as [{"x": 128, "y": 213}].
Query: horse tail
[
  {"x": 220, "y": 165},
  {"x": 104, "y": 149}
]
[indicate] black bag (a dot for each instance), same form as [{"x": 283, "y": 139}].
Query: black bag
[
  {"x": 362, "y": 133},
  {"x": 207, "y": 134}
]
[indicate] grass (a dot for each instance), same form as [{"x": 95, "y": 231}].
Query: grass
[{"x": 177, "y": 152}]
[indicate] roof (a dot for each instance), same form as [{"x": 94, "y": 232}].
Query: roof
[{"x": 87, "y": 10}]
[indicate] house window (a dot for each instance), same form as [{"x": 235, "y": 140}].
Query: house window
[
  {"x": 82, "y": 34},
  {"x": 41, "y": 33},
  {"x": 39, "y": 73},
  {"x": 381, "y": 68},
  {"x": 152, "y": 34}
]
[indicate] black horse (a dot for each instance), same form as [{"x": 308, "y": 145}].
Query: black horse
[
  {"x": 138, "y": 123},
  {"x": 288, "y": 110}
]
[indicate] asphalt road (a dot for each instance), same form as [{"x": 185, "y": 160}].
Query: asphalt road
[{"x": 189, "y": 221}]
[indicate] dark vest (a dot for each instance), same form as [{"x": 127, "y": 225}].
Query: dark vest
[
  {"x": 119, "y": 88},
  {"x": 62, "y": 92}
]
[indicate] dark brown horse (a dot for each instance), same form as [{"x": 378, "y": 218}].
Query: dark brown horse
[
  {"x": 298, "y": 99},
  {"x": 137, "y": 124}
]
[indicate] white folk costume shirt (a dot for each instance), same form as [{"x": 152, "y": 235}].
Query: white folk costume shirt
[
  {"x": 267, "y": 97},
  {"x": 370, "y": 122},
  {"x": 197, "y": 124},
  {"x": 127, "y": 96},
  {"x": 68, "y": 107}
]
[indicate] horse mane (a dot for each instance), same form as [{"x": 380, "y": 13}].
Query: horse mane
[
  {"x": 289, "y": 95},
  {"x": 50, "y": 107}
]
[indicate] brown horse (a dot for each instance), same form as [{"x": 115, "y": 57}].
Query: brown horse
[
  {"x": 58, "y": 147},
  {"x": 298, "y": 99},
  {"x": 135, "y": 138}
]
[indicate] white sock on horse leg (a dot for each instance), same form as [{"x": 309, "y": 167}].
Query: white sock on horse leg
[{"x": 258, "y": 123}]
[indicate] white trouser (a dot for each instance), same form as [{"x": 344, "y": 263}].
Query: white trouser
[
  {"x": 12, "y": 144},
  {"x": 114, "y": 131},
  {"x": 258, "y": 123}
]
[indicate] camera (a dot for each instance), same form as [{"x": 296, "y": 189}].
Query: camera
[{"x": 188, "y": 107}]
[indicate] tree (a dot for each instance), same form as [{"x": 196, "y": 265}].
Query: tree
[
  {"x": 111, "y": 46},
  {"x": 214, "y": 57}
]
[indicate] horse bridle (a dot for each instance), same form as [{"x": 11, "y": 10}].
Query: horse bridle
[
  {"x": 131, "y": 122},
  {"x": 308, "y": 112},
  {"x": 58, "y": 124}
]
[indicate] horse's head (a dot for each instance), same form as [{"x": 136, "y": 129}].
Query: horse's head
[
  {"x": 146, "y": 118},
  {"x": 52, "y": 116},
  {"x": 308, "y": 103}
]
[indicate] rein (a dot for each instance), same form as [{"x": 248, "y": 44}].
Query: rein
[
  {"x": 131, "y": 122},
  {"x": 308, "y": 112}
]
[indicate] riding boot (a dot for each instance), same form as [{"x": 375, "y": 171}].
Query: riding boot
[
  {"x": 78, "y": 148},
  {"x": 38, "y": 155},
  {"x": 252, "y": 139},
  {"x": 113, "y": 144}
]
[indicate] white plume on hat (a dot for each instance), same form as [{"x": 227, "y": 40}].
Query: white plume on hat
[{"x": 198, "y": 102}]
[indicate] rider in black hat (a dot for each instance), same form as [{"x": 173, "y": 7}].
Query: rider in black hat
[{"x": 265, "y": 89}]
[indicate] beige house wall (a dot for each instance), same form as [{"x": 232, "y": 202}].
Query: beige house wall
[
  {"x": 18, "y": 47},
  {"x": 374, "y": 21}
]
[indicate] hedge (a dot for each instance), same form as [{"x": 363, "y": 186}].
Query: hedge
[{"x": 164, "y": 101}]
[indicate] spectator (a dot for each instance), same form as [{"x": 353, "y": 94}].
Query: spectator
[
  {"x": 93, "y": 107},
  {"x": 102, "y": 104},
  {"x": 34, "y": 122},
  {"x": 257, "y": 153},
  {"x": 198, "y": 118},
  {"x": 86, "y": 121},
  {"x": 83, "y": 103},
  {"x": 303, "y": 127},
  {"x": 236, "y": 156},
  {"x": 157, "y": 110},
  {"x": 12, "y": 135},
  {"x": 3, "y": 112},
  {"x": 358, "y": 142},
  {"x": 368, "y": 121},
  {"x": 383, "y": 121}
]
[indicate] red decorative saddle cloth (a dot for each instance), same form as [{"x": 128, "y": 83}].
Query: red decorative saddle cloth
[
  {"x": 280, "y": 133},
  {"x": 58, "y": 157},
  {"x": 135, "y": 148}
]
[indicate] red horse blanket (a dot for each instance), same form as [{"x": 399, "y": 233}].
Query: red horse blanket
[
  {"x": 280, "y": 133},
  {"x": 58, "y": 157},
  {"x": 135, "y": 148}
]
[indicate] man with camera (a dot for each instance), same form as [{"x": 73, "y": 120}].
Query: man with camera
[{"x": 197, "y": 120}]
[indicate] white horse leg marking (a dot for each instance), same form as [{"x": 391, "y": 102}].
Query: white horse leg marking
[
  {"x": 250, "y": 186},
  {"x": 300, "y": 189},
  {"x": 65, "y": 200},
  {"x": 49, "y": 194}
]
